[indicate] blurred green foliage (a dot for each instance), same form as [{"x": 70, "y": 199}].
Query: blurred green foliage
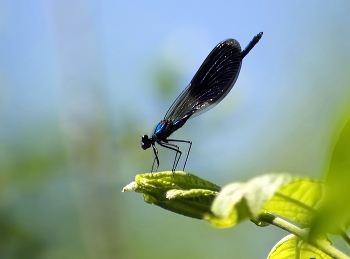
[{"x": 335, "y": 213}]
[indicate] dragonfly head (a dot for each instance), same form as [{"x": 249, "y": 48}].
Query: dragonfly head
[{"x": 146, "y": 142}]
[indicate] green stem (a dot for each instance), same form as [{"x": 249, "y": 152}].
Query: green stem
[
  {"x": 303, "y": 234},
  {"x": 345, "y": 237}
]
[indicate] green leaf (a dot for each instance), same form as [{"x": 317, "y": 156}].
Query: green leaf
[
  {"x": 334, "y": 216},
  {"x": 239, "y": 201},
  {"x": 281, "y": 194},
  {"x": 297, "y": 201},
  {"x": 179, "y": 192},
  {"x": 293, "y": 247}
]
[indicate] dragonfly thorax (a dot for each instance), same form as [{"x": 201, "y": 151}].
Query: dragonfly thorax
[{"x": 162, "y": 131}]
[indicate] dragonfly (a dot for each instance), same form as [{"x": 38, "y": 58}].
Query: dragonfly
[{"x": 209, "y": 86}]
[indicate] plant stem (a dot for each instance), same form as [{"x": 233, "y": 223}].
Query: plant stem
[
  {"x": 303, "y": 234},
  {"x": 345, "y": 237}
]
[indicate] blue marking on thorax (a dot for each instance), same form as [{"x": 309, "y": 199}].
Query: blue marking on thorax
[{"x": 160, "y": 127}]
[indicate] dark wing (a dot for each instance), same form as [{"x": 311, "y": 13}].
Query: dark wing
[{"x": 212, "y": 82}]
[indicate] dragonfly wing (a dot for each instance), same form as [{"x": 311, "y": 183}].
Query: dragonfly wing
[{"x": 212, "y": 82}]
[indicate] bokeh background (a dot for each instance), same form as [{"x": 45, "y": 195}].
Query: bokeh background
[{"x": 81, "y": 81}]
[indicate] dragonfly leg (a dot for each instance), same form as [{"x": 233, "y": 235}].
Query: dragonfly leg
[
  {"x": 176, "y": 149},
  {"x": 188, "y": 151},
  {"x": 156, "y": 159}
]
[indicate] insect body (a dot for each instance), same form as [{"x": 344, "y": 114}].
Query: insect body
[{"x": 212, "y": 82}]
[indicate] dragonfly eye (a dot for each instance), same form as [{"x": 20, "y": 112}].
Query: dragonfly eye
[{"x": 146, "y": 142}]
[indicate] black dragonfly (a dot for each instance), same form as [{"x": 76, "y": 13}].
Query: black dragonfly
[{"x": 212, "y": 82}]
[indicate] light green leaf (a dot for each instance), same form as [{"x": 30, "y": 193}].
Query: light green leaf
[
  {"x": 239, "y": 201},
  {"x": 281, "y": 194},
  {"x": 291, "y": 247},
  {"x": 297, "y": 200}
]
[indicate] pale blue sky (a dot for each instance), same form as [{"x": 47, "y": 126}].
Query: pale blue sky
[{"x": 303, "y": 52}]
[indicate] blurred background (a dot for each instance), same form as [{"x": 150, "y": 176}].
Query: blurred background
[{"x": 81, "y": 81}]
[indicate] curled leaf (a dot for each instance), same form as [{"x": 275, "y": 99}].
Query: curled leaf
[{"x": 179, "y": 192}]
